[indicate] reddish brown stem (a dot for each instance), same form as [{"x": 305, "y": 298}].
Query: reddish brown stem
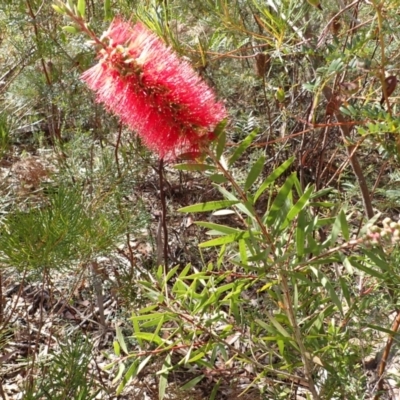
[
  {"x": 386, "y": 353},
  {"x": 164, "y": 213},
  {"x": 350, "y": 148}
]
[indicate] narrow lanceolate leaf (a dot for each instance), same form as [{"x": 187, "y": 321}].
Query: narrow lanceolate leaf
[
  {"x": 368, "y": 270},
  {"x": 242, "y": 147},
  {"x": 107, "y": 10},
  {"x": 301, "y": 234},
  {"x": 278, "y": 327},
  {"x": 282, "y": 199},
  {"x": 143, "y": 363},
  {"x": 344, "y": 225},
  {"x": 117, "y": 348},
  {"x": 221, "y": 139},
  {"x": 70, "y": 29},
  {"x": 163, "y": 380},
  {"x": 225, "y": 240},
  {"x": 345, "y": 289},
  {"x": 194, "y": 167},
  {"x": 254, "y": 172},
  {"x": 58, "y": 9},
  {"x": 382, "y": 329},
  {"x": 150, "y": 337},
  {"x": 192, "y": 383},
  {"x": 272, "y": 178},
  {"x": 215, "y": 390},
  {"x": 325, "y": 282},
  {"x": 295, "y": 210},
  {"x": 121, "y": 369},
  {"x": 378, "y": 261},
  {"x": 222, "y": 229},
  {"x": 209, "y": 206},
  {"x": 243, "y": 252},
  {"x": 244, "y": 207},
  {"x": 121, "y": 340},
  {"x": 132, "y": 371},
  {"x": 218, "y": 178},
  {"x": 81, "y": 8}
]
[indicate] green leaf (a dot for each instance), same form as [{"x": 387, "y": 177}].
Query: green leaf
[
  {"x": 163, "y": 380},
  {"x": 170, "y": 274},
  {"x": 192, "y": 383},
  {"x": 81, "y": 8},
  {"x": 382, "y": 329},
  {"x": 143, "y": 363},
  {"x": 345, "y": 290},
  {"x": 254, "y": 173},
  {"x": 272, "y": 177},
  {"x": 121, "y": 339},
  {"x": 222, "y": 229},
  {"x": 336, "y": 66},
  {"x": 218, "y": 178},
  {"x": 242, "y": 147},
  {"x": 221, "y": 144},
  {"x": 121, "y": 369},
  {"x": 58, "y": 9},
  {"x": 136, "y": 328},
  {"x": 344, "y": 225},
  {"x": 117, "y": 348},
  {"x": 321, "y": 193},
  {"x": 155, "y": 316},
  {"x": 185, "y": 271},
  {"x": 197, "y": 356},
  {"x": 344, "y": 111},
  {"x": 278, "y": 327},
  {"x": 243, "y": 252},
  {"x": 336, "y": 230},
  {"x": 295, "y": 210},
  {"x": 209, "y": 206},
  {"x": 245, "y": 207},
  {"x": 215, "y": 390},
  {"x": 220, "y": 128},
  {"x": 194, "y": 167},
  {"x": 150, "y": 337},
  {"x": 221, "y": 256},
  {"x": 107, "y": 10},
  {"x": 278, "y": 211},
  {"x": 225, "y": 239},
  {"x": 162, "y": 386},
  {"x": 70, "y": 29},
  {"x": 348, "y": 266},
  {"x": 132, "y": 372},
  {"x": 300, "y": 234},
  {"x": 379, "y": 262},
  {"x": 325, "y": 282}
]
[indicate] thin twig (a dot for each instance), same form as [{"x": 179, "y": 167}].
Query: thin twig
[
  {"x": 116, "y": 150},
  {"x": 386, "y": 353},
  {"x": 1, "y": 298},
  {"x": 298, "y": 337},
  {"x": 2, "y": 394},
  {"x": 163, "y": 213}
]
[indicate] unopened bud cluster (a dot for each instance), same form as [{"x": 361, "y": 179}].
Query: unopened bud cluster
[{"x": 388, "y": 234}]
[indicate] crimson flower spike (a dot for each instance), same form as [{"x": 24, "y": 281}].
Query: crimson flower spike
[{"x": 154, "y": 93}]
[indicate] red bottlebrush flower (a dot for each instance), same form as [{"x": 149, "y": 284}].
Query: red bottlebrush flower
[{"x": 153, "y": 92}]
